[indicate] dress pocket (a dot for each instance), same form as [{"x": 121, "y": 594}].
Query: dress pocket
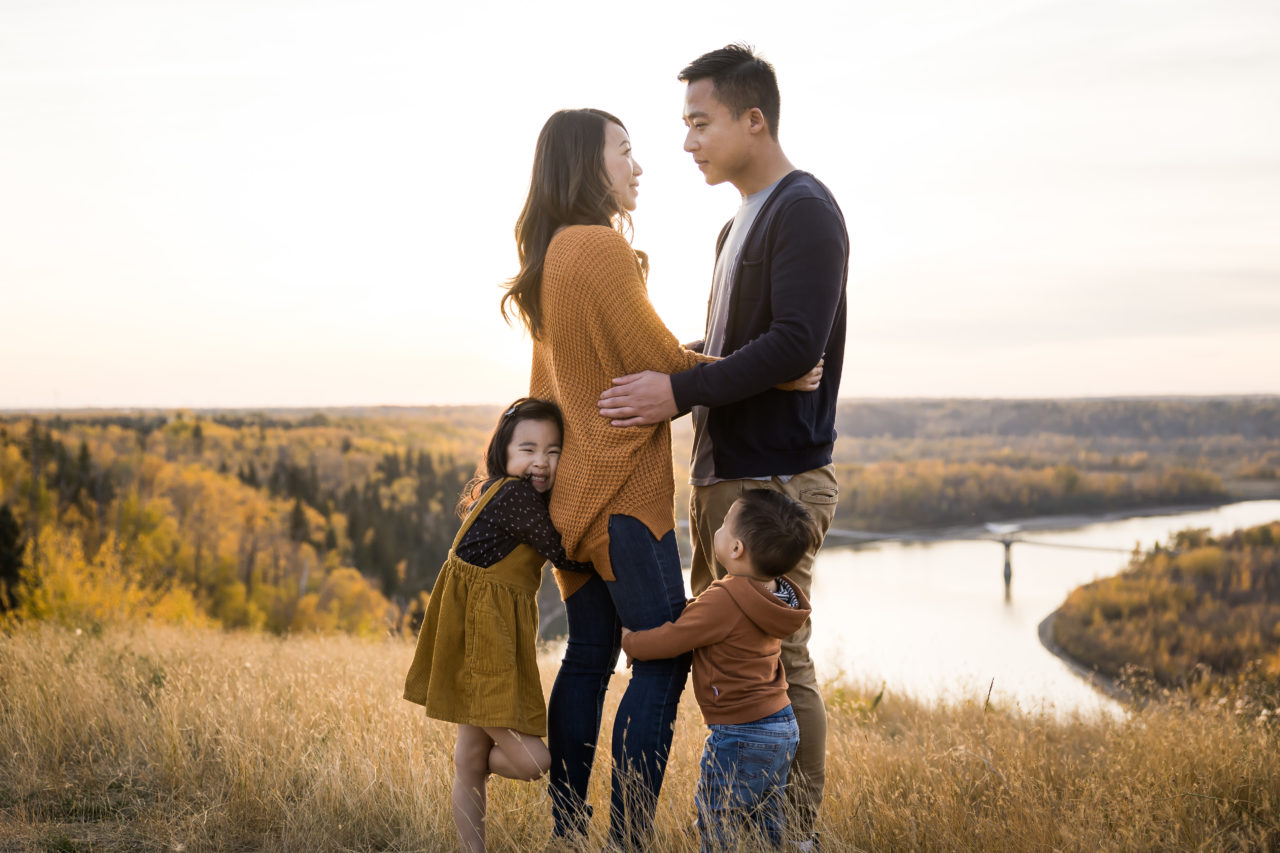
[{"x": 490, "y": 633}]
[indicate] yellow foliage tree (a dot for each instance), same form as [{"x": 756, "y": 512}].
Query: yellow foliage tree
[
  {"x": 345, "y": 602},
  {"x": 68, "y": 587}
]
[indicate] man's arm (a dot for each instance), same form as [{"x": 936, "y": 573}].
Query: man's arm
[
  {"x": 645, "y": 398},
  {"x": 807, "y": 276}
]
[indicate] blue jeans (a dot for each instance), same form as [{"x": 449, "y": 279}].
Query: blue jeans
[
  {"x": 648, "y": 591},
  {"x": 743, "y": 781}
]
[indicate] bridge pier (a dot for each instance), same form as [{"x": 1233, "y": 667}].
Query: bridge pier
[{"x": 1008, "y": 566}]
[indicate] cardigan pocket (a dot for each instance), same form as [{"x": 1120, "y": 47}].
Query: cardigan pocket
[{"x": 749, "y": 283}]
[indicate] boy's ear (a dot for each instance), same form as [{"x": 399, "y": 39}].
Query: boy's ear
[
  {"x": 755, "y": 121},
  {"x": 736, "y": 549}
]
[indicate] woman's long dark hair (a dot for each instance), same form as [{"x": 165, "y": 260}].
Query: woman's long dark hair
[
  {"x": 569, "y": 186},
  {"x": 494, "y": 466}
]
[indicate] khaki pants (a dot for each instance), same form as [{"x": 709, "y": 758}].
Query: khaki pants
[{"x": 818, "y": 492}]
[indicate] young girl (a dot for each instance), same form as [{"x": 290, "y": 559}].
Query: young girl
[{"x": 475, "y": 664}]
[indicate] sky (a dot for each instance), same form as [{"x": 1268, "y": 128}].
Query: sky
[{"x": 261, "y": 203}]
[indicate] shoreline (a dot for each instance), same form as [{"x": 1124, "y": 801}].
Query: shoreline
[
  {"x": 854, "y": 538},
  {"x": 1105, "y": 685}
]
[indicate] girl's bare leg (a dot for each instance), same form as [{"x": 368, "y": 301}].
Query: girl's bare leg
[
  {"x": 516, "y": 755},
  {"x": 478, "y": 753},
  {"x": 470, "y": 772}
]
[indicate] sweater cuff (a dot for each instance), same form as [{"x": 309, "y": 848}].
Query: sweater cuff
[{"x": 683, "y": 389}]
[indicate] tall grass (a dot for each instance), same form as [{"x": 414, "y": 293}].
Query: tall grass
[{"x": 164, "y": 739}]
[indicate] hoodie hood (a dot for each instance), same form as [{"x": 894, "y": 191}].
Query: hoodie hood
[{"x": 769, "y": 613}]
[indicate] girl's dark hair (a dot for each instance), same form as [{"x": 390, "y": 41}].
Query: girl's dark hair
[
  {"x": 494, "y": 465},
  {"x": 569, "y": 186}
]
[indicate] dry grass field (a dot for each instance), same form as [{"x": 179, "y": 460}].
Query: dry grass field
[{"x": 161, "y": 739}]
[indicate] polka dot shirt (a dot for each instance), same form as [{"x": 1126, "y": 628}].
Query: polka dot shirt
[{"x": 517, "y": 513}]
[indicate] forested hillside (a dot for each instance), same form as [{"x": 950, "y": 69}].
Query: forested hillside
[
  {"x": 1196, "y": 612},
  {"x": 285, "y": 523},
  {"x": 339, "y": 519},
  {"x": 921, "y": 463}
]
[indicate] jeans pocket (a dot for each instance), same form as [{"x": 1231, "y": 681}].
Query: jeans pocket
[{"x": 755, "y": 763}]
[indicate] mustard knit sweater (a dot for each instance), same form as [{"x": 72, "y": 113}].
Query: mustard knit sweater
[{"x": 597, "y": 323}]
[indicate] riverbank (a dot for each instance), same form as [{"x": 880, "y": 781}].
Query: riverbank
[
  {"x": 1201, "y": 614},
  {"x": 1103, "y": 684},
  {"x": 839, "y": 537}
]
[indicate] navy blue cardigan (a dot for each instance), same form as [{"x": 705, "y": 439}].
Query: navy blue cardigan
[{"x": 788, "y": 309}]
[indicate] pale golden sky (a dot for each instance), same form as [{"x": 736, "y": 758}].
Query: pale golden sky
[{"x": 310, "y": 202}]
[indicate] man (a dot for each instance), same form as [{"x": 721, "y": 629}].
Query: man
[{"x": 778, "y": 304}]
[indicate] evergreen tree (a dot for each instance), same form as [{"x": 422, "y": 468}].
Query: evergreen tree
[
  {"x": 11, "y": 546},
  {"x": 299, "y": 530}
]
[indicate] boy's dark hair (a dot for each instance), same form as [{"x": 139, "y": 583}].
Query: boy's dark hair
[
  {"x": 775, "y": 530},
  {"x": 494, "y": 466},
  {"x": 741, "y": 81}
]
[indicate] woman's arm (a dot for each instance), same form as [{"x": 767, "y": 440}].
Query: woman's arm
[{"x": 624, "y": 322}]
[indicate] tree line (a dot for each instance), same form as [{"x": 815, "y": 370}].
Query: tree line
[
  {"x": 247, "y": 523},
  {"x": 287, "y": 520}
]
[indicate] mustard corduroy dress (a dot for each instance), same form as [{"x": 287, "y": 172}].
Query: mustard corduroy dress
[{"x": 476, "y": 661}]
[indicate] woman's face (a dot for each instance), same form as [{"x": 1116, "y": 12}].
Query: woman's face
[{"x": 623, "y": 170}]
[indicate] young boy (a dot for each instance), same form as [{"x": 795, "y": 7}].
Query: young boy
[{"x": 735, "y": 629}]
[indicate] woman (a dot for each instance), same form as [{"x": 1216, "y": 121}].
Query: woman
[{"x": 581, "y": 294}]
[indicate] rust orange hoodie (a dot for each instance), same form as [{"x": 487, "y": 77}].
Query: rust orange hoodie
[{"x": 735, "y": 630}]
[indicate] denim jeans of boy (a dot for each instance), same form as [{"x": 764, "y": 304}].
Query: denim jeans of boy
[
  {"x": 741, "y": 791},
  {"x": 648, "y": 591}
]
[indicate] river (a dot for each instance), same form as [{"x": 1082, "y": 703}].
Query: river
[{"x": 930, "y": 619}]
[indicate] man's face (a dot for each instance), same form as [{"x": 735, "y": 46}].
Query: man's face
[{"x": 719, "y": 143}]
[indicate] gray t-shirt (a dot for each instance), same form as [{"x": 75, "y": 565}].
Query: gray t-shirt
[{"x": 702, "y": 465}]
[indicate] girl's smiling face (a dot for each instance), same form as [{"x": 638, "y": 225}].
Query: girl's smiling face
[{"x": 534, "y": 453}]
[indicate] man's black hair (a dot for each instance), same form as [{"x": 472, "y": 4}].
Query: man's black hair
[{"x": 741, "y": 81}]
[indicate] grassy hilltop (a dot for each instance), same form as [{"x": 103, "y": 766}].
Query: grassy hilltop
[{"x": 154, "y": 738}]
